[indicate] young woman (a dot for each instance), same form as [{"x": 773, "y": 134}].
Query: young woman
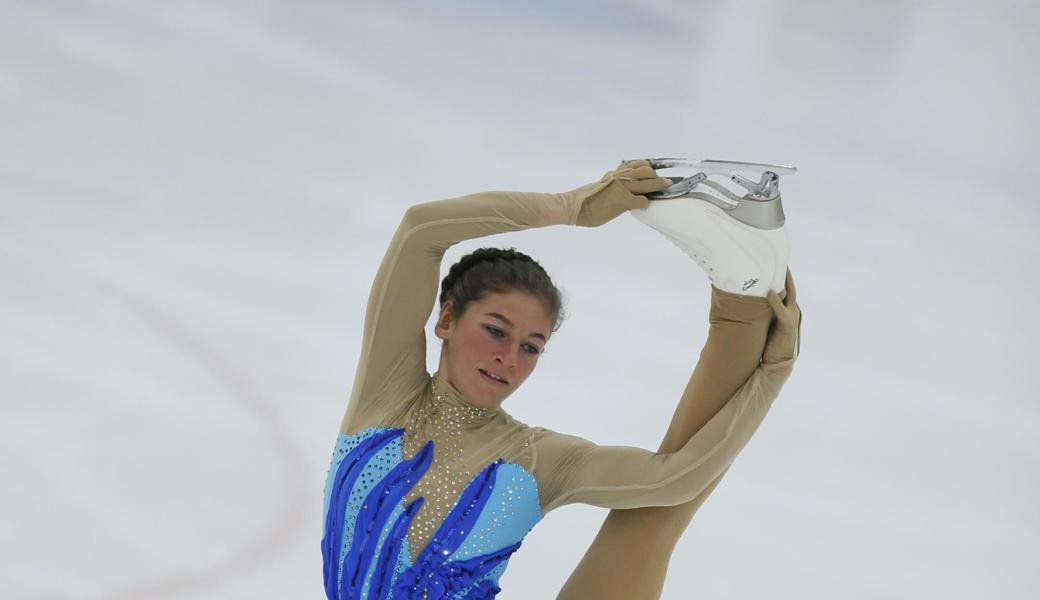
[{"x": 432, "y": 485}]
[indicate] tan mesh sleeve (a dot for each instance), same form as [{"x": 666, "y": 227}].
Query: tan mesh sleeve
[
  {"x": 571, "y": 469},
  {"x": 391, "y": 366}
]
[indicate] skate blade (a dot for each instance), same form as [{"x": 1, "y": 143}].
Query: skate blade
[
  {"x": 760, "y": 213},
  {"x": 718, "y": 167},
  {"x": 766, "y": 188}
]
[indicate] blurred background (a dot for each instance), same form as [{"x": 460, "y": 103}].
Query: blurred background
[{"x": 195, "y": 196}]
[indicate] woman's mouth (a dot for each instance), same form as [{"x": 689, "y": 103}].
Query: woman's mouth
[{"x": 493, "y": 378}]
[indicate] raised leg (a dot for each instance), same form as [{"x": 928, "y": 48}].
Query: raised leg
[{"x": 629, "y": 557}]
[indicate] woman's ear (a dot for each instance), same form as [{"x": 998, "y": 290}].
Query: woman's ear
[{"x": 445, "y": 322}]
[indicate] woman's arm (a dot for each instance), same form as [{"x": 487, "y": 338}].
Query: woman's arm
[
  {"x": 392, "y": 364},
  {"x": 571, "y": 469}
]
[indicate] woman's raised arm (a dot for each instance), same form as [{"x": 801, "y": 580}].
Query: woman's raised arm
[{"x": 392, "y": 364}]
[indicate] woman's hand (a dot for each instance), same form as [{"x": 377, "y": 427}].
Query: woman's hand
[
  {"x": 619, "y": 191},
  {"x": 784, "y": 341}
]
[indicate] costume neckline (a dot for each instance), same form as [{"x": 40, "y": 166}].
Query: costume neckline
[{"x": 466, "y": 412}]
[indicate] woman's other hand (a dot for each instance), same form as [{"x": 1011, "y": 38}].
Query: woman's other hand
[
  {"x": 784, "y": 341},
  {"x": 623, "y": 191}
]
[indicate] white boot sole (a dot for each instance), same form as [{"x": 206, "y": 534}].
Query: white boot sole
[{"x": 737, "y": 257}]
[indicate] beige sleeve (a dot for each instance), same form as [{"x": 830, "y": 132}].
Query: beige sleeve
[
  {"x": 571, "y": 469},
  {"x": 392, "y": 364}
]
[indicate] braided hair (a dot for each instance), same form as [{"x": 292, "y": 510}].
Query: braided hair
[{"x": 499, "y": 270}]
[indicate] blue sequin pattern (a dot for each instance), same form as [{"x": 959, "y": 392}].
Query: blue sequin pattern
[{"x": 365, "y": 550}]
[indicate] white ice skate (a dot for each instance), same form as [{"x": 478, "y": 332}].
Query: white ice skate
[{"x": 738, "y": 238}]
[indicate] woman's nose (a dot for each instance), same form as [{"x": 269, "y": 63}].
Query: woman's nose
[{"x": 508, "y": 356}]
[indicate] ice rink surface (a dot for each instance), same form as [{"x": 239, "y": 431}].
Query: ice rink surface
[{"x": 194, "y": 198}]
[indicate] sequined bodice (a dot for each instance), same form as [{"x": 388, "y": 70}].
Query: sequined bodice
[
  {"x": 419, "y": 512},
  {"x": 444, "y": 423}
]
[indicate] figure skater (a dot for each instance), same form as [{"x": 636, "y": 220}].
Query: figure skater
[{"x": 432, "y": 485}]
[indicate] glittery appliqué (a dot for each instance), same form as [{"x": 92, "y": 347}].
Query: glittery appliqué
[
  {"x": 365, "y": 549},
  {"x": 445, "y": 423}
]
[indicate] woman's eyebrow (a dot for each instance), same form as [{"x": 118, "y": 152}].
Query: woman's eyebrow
[{"x": 510, "y": 323}]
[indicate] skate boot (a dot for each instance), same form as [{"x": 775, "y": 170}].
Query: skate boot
[{"x": 737, "y": 237}]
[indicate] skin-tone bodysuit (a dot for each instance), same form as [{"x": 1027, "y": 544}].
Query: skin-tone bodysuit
[{"x": 427, "y": 494}]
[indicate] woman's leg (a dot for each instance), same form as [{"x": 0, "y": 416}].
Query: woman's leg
[{"x": 629, "y": 557}]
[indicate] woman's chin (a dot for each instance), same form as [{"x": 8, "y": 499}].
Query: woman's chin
[{"x": 488, "y": 396}]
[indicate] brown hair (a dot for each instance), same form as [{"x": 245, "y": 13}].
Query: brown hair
[{"x": 499, "y": 270}]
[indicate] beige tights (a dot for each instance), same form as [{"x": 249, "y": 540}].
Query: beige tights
[{"x": 629, "y": 558}]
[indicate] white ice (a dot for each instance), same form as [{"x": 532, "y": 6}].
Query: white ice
[{"x": 194, "y": 198}]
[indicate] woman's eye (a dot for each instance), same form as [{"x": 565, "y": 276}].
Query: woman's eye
[{"x": 495, "y": 331}]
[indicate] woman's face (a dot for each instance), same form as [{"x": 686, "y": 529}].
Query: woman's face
[{"x": 501, "y": 335}]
